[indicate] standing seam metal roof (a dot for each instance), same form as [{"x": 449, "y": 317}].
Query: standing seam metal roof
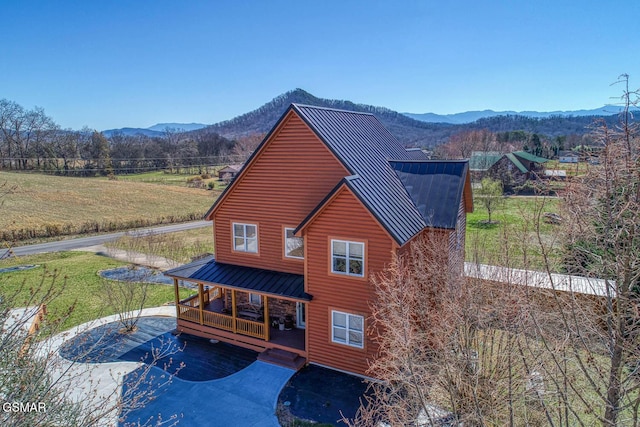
[
  {"x": 247, "y": 278},
  {"x": 366, "y": 147}
]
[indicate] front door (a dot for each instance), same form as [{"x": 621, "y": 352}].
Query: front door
[{"x": 301, "y": 315}]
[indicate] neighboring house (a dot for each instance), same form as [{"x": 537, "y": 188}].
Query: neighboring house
[
  {"x": 227, "y": 173},
  {"x": 298, "y": 250},
  {"x": 513, "y": 169},
  {"x": 568, "y": 157}
]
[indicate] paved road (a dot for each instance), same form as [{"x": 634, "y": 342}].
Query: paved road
[{"x": 83, "y": 242}]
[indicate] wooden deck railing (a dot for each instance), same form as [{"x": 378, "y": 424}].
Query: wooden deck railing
[
  {"x": 218, "y": 320},
  {"x": 192, "y": 301},
  {"x": 189, "y": 313},
  {"x": 250, "y": 328}
]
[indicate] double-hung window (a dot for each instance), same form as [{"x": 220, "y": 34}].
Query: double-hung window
[
  {"x": 347, "y": 329},
  {"x": 347, "y": 258},
  {"x": 293, "y": 246},
  {"x": 245, "y": 237}
]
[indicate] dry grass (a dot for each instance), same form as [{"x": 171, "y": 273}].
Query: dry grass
[{"x": 46, "y": 206}]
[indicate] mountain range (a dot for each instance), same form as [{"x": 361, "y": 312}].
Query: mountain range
[
  {"x": 472, "y": 116},
  {"x": 423, "y": 130}
]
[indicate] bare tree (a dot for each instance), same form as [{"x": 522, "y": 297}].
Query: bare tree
[
  {"x": 39, "y": 387},
  {"x": 603, "y": 241}
]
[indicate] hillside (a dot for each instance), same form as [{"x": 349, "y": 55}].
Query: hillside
[{"x": 409, "y": 131}]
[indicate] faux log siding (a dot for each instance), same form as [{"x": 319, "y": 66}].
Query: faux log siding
[
  {"x": 288, "y": 179},
  {"x": 345, "y": 218}
]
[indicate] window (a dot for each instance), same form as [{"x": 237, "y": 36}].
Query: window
[
  {"x": 347, "y": 329},
  {"x": 293, "y": 246},
  {"x": 245, "y": 238},
  {"x": 255, "y": 299},
  {"x": 347, "y": 258}
]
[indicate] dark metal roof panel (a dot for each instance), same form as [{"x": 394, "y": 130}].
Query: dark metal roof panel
[
  {"x": 416, "y": 154},
  {"x": 365, "y": 146},
  {"x": 435, "y": 187},
  {"x": 274, "y": 283}
]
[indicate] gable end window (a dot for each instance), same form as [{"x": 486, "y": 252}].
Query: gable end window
[
  {"x": 293, "y": 246},
  {"x": 347, "y": 329},
  {"x": 245, "y": 237},
  {"x": 347, "y": 258}
]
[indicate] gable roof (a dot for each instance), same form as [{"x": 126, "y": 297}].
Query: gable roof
[
  {"x": 518, "y": 164},
  {"x": 530, "y": 157},
  {"x": 364, "y": 147},
  {"x": 231, "y": 168}
]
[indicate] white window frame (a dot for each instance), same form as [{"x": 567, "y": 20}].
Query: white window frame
[
  {"x": 348, "y": 330},
  {"x": 347, "y": 257},
  {"x": 252, "y": 297},
  {"x": 285, "y": 244},
  {"x": 244, "y": 237}
]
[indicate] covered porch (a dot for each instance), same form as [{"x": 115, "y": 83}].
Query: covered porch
[{"x": 253, "y": 308}]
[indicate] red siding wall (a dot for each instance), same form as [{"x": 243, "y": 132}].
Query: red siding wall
[
  {"x": 294, "y": 172},
  {"x": 346, "y": 219}
]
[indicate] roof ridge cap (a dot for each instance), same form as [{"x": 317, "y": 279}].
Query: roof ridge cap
[{"x": 296, "y": 105}]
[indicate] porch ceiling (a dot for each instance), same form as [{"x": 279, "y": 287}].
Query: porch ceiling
[{"x": 247, "y": 278}]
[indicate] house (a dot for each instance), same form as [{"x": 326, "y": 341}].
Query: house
[
  {"x": 300, "y": 249},
  {"x": 512, "y": 169},
  {"x": 568, "y": 157},
  {"x": 228, "y": 173}
]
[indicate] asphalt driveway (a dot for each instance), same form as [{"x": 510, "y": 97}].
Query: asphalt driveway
[{"x": 246, "y": 398}]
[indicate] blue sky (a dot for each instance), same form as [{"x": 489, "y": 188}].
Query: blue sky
[{"x": 108, "y": 64}]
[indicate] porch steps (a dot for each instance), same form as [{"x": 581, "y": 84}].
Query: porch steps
[{"x": 284, "y": 358}]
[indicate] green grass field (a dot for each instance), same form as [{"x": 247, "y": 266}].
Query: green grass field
[
  {"x": 514, "y": 240},
  {"x": 180, "y": 180},
  {"x": 41, "y": 206},
  {"x": 75, "y": 276}
]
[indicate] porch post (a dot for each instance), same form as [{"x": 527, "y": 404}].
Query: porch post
[
  {"x": 177, "y": 291},
  {"x": 201, "y": 299},
  {"x": 267, "y": 324},
  {"x": 233, "y": 310}
]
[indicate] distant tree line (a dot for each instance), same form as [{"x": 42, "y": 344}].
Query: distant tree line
[
  {"x": 32, "y": 141},
  {"x": 460, "y": 145}
]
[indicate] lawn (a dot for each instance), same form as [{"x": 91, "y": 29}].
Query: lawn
[
  {"x": 175, "y": 179},
  {"x": 47, "y": 206},
  {"x": 513, "y": 240},
  {"x": 75, "y": 276}
]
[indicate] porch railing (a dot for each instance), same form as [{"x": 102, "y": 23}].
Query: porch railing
[
  {"x": 189, "y": 309},
  {"x": 250, "y": 328},
  {"x": 218, "y": 320},
  {"x": 189, "y": 313}
]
